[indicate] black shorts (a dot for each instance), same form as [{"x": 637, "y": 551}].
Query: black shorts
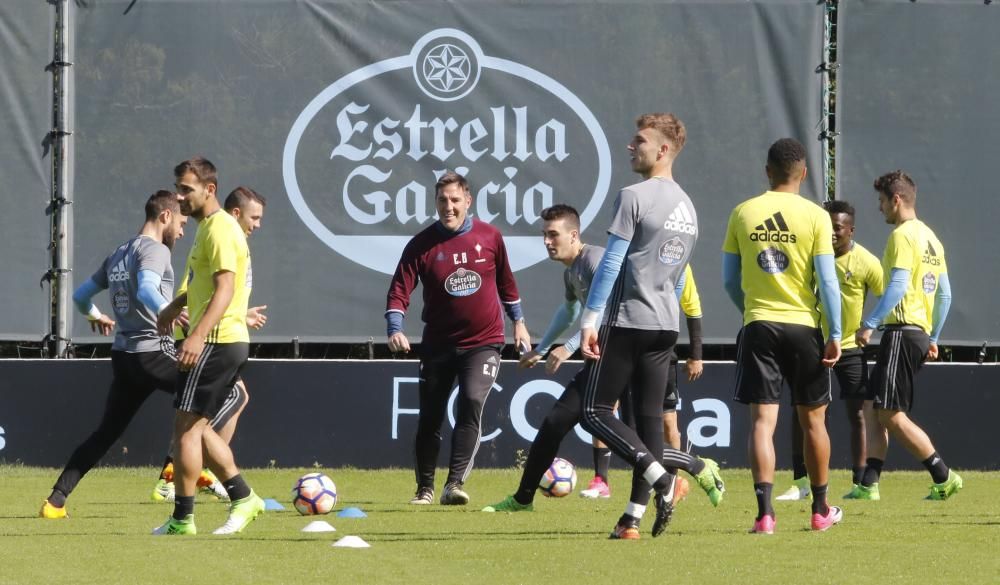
[
  {"x": 769, "y": 353},
  {"x": 144, "y": 371},
  {"x": 852, "y": 374},
  {"x": 901, "y": 353},
  {"x": 205, "y": 388},
  {"x": 673, "y": 395}
]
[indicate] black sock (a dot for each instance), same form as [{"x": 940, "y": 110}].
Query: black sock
[
  {"x": 856, "y": 474},
  {"x": 236, "y": 488},
  {"x": 602, "y": 460},
  {"x": 873, "y": 470},
  {"x": 763, "y": 492},
  {"x": 934, "y": 464},
  {"x": 798, "y": 466},
  {"x": 183, "y": 505},
  {"x": 57, "y": 499},
  {"x": 819, "y": 505},
  {"x": 167, "y": 461}
]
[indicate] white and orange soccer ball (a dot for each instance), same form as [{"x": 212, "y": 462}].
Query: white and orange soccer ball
[
  {"x": 559, "y": 479},
  {"x": 314, "y": 493}
]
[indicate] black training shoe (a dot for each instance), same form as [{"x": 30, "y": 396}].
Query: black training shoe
[{"x": 664, "y": 512}]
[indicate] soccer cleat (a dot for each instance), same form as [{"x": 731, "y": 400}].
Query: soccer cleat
[
  {"x": 947, "y": 488},
  {"x": 509, "y": 504},
  {"x": 209, "y": 484},
  {"x": 764, "y": 525},
  {"x": 664, "y": 511},
  {"x": 453, "y": 495},
  {"x": 681, "y": 489},
  {"x": 628, "y": 531},
  {"x": 163, "y": 492},
  {"x": 799, "y": 491},
  {"x": 860, "y": 492},
  {"x": 50, "y": 512},
  {"x": 168, "y": 473},
  {"x": 423, "y": 497},
  {"x": 178, "y": 527},
  {"x": 241, "y": 513},
  {"x": 710, "y": 481},
  {"x": 833, "y": 516},
  {"x": 597, "y": 488}
]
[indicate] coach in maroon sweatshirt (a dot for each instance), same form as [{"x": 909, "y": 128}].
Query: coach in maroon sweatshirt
[{"x": 462, "y": 263}]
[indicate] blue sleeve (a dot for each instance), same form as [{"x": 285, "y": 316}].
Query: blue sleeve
[
  {"x": 942, "y": 304},
  {"x": 561, "y": 320},
  {"x": 894, "y": 291},
  {"x": 679, "y": 288},
  {"x": 829, "y": 292},
  {"x": 83, "y": 294},
  {"x": 393, "y": 322},
  {"x": 149, "y": 291},
  {"x": 607, "y": 273},
  {"x": 732, "y": 278},
  {"x": 513, "y": 310}
]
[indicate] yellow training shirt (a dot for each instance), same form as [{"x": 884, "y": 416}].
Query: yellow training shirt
[
  {"x": 913, "y": 246},
  {"x": 219, "y": 245},
  {"x": 859, "y": 272},
  {"x": 690, "y": 301},
  {"x": 776, "y": 236}
]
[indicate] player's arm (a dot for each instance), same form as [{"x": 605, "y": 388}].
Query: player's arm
[
  {"x": 562, "y": 318},
  {"x": 600, "y": 289},
  {"x": 149, "y": 293},
  {"x": 510, "y": 298},
  {"x": 942, "y": 304},
  {"x": 165, "y": 319},
  {"x": 82, "y": 298},
  {"x": 224, "y": 282},
  {"x": 691, "y": 305},
  {"x": 732, "y": 279},
  {"x": 404, "y": 280},
  {"x": 899, "y": 280},
  {"x": 829, "y": 294}
]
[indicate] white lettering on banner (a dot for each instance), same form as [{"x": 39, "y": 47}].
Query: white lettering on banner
[
  {"x": 719, "y": 417},
  {"x": 519, "y": 404},
  {"x": 396, "y": 410},
  {"x": 382, "y": 151},
  {"x": 3, "y": 442},
  {"x": 720, "y": 422}
]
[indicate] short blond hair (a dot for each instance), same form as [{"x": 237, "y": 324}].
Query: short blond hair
[{"x": 668, "y": 125}]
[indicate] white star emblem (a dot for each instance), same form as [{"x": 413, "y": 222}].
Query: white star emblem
[{"x": 446, "y": 68}]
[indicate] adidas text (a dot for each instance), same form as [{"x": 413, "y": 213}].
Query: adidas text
[
  {"x": 679, "y": 226},
  {"x": 772, "y": 237}
]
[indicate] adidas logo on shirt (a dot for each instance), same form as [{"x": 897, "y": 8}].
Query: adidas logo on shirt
[
  {"x": 931, "y": 256},
  {"x": 119, "y": 273},
  {"x": 774, "y": 229},
  {"x": 680, "y": 220}
]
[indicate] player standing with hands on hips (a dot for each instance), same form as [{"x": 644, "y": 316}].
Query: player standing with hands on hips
[{"x": 463, "y": 265}]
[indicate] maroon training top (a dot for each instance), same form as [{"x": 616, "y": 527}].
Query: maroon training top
[{"x": 465, "y": 277}]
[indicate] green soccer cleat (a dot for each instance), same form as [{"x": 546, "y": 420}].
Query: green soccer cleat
[
  {"x": 163, "y": 492},
  {"x": 947, "y": 488},
  {"x": 509, "y": 504},
  {"x": 710, "y": 481},
  {"x": 860, "y": 492},
  {"x": 241, "y": 513},
  {"x": 174, "y": 526}
]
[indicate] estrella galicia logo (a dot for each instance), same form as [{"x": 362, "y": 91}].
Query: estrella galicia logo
[
  {"x": 929, "y": 283},
  {"x": 672, "y": 251},
  {"x": 772, "y": 260},
  {"x": 463, "y": 283},
  {"x": 773, "y": 229},
  {"x": 361, "y": 160},
  {"x": 120, "y": 302}
]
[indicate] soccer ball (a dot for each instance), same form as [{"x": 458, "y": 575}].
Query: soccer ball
[
  {"x": 559, "y": 479},
  {"x": 314, "y": 493}
]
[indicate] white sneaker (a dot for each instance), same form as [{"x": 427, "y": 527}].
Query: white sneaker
[
  {"x": 799, "y": 491},
  {"x": 217, "y": 490}
]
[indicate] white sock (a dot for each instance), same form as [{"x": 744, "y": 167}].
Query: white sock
[{"x": 635, "y": 510}]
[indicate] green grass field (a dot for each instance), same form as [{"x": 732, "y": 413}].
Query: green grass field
[{"x": 901, "y": 539}]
